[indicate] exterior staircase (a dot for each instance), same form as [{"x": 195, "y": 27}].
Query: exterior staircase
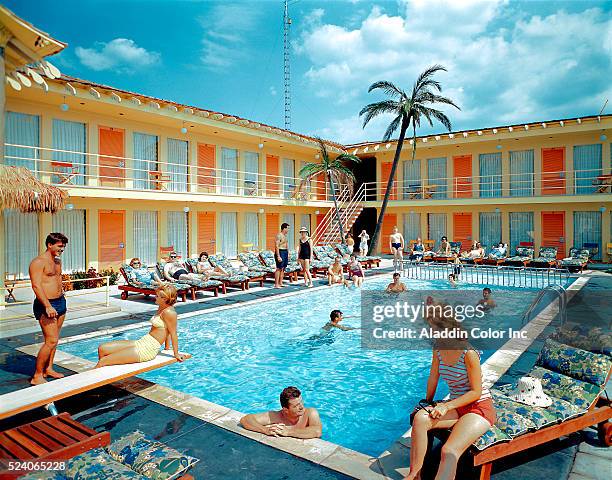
[{"x": 349, "y": 207}]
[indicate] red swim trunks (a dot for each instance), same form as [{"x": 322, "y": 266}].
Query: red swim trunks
[{"x": 484, "y": 408}]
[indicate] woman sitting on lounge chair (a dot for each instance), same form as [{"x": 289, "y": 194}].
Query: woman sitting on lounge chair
[
  {"x": 205, "y": 268},
  {"x": 469, "y": 412},
  {"x": 444, "y": 249},
  {"x": 499, "y": 251},
  {"x": 163, "y": 327},
  {"x": 476, "y": 252},
  {"x": 174, "y": 271},
  {"x": 144, "y": 276}
]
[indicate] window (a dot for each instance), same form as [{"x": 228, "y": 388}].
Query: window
[
  {"x": 177, "y": 165},
  {"x": 288, "y": 177},
  {"x": 229, "y": 235},
  {"x": 490, "y": 175},
  {"x": 490, "y": 229},
  {"x": 412, "y": 226},
  {"x": 521, "y": 173},
  {"x": 21, "y": 241},
  {"x": 229, "y": 173},
  {"x": 521, "y": 229},
  {"x": 412, "y": 179},
  {"x": 24, "y": 130},
  {"x": 72, "y": 224},
  {"x": 587, "y": 230},
  {"x": 436, "y": 176},
  {"x": 71, "y": 139},
  {"x": 145, "y": 236},
  {"x": 251, "y": 229},
  {"x": 587, "y": 167},
  {"x": 437, "y": 227},
  {"x": 251, "y": 171},
  {"x": 145, "y": 160},
  {"x": 177, "y": 232}
]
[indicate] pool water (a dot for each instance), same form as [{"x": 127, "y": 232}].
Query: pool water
[{"x": 243, "y": 357}]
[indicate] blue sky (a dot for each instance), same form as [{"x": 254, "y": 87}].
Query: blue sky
[{"x": 507, "y": 61}]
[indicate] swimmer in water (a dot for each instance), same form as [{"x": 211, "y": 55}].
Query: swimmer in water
[
  {"x": 396, "y": 286},
  {"x": 452, "y": 279},
  {"x": 487, "y": 301},
  {"x": 335, "y": 317}
]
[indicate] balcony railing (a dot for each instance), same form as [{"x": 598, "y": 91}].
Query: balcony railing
[
  {"x": 91, "y": 170},
  {"x": 575, "y": 182}
]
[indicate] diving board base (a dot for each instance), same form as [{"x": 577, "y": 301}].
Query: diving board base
[{"x": 40, "y": 395}]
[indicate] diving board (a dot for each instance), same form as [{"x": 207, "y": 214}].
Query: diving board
[{"x": 40, "y": 395}]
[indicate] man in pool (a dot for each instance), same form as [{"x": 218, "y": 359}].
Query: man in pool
[
  {"x": 49, "y": 303},
  {"x": 396, "y": 286},
  {"x": 292, "y": 420},
  {"x": 487, "y": 301},
  {"x": 335, "y": 317}
]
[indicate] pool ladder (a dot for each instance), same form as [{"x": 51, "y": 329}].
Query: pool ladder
[{"x": 560, "y": 295}]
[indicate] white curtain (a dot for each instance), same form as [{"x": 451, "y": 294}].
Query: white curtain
[
  {"x": 290, "y": 219},
  {"x": 288, "y": 177},
  {"x": 177, "y": 165},
  {"x": 587, "y": 229},
  {"x": 305, "y": 222},
  {"x": 71, "y": 136},
  {"x": 587, "y": 167},
  {"x": 229, "y": 174},
  {"x": 251, "y": 170},
  {"x": 436, "y": 175},
  {"x": 412, "y": 226},
  {"x": 177, "y": 232},
  {"x": 490, "y": 229},
  {"x": 21, "y": 241},
  {"x": 145, "y": 159},
  {"x": 412, "y": 177},
  {"x": 521, "y": 173},
  {"x": 437, "y": 227},
  {"x": 490, "y": 175},
  {"x": 22, "y": 129},
  {"x": 145, "y": 236},
  {"x": 72, "y": 224},
  {"x": 251, "y": 229},
  {"x": 229, "y": 234}
]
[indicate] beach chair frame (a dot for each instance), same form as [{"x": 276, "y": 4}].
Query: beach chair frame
[{"x": 129, "y": 288}]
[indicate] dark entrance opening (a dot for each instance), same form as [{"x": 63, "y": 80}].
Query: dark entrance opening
[
  {"x": 366, "y": 221},
  {"x": 365, "y": 171}
]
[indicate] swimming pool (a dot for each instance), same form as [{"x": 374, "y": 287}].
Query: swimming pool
[{"x": 243, "y": 357}]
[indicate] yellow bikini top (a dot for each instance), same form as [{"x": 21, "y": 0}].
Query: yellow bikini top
[{"x": 156, "y": 321}]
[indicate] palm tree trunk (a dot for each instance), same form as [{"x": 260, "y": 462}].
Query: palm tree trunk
[
  {"x": 333, "y": 192},
  {"x": 383, "y": 208}
]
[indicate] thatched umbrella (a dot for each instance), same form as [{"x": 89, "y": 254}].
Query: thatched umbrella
[{"x": 21, "y": 190}]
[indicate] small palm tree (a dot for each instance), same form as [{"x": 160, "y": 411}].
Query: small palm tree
[
  {"x": 408, "y": 110},
  {"x": 333, "y": 170}
]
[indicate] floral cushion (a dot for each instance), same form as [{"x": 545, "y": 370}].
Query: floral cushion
[
  {"x": 511, "y": 423},
  {"x": 580, "y": 394},
  {"x": 593, "y": 339},
  {"x": 560, "y": 409},
  {"x": 491, "y": 437},
  {"x": 268, "y": 258},
  {"x": 152, "y": 459},
  {"x": 524, "y": 252},
  {"x": 220, "y": 260},
  {"x": 575, "y": 362},
  {"x": 455, "y": 248},
  {"x": 45, "y": 475},
  {"x": 252, "y": 262},
  {"x": 97, "y": 464},
  {"x": 540, "y": 417},
  {"x": 547, "y": 254}
]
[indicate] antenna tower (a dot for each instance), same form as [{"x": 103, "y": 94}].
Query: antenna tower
[{"x": 287, "y": 69}]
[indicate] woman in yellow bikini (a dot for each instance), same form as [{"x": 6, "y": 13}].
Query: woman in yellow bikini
[{"x": 163, "y": 325}]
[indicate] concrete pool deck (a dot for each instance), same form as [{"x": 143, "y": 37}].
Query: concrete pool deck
[{"x": 329, "y": 460}]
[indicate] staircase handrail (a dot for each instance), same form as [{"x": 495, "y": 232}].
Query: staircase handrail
[
  {"x": 347, "y": 209},
  {"x": 327, "y": 218}
]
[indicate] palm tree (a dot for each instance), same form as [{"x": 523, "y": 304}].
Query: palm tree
[
  {"x": 333, "y": 170},
  {"x": 408, "y": 110}
]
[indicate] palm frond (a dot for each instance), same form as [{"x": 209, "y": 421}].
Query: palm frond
[
  {"x": 377, "y": 108},
  {"x": 388, "y": 87},
  {"x": 312, "y": 169},
  {"x": 425, "y": 112},
  {"x": 428, "y": 97},
  {"x": 425, "y": 77},
  {"x": 392, "y": 127},
  {"x": 442, "y": 118},
  {"x": 322, "y": 150},
  {"x": 342, "y": 172},
  {"x": 347, "y": 157}
]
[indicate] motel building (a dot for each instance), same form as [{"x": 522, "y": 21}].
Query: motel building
[{"x": 145, "y": 174}]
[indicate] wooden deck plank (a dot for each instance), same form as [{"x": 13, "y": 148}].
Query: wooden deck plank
[
  {"x": 66, "y": 429},
  {"x": 14, "y": 449},
  {"x": 52, "y": 432},
  {"x": 65, "y": 418},
  {"x": 40, "y": 438},
  {"x": 25, "y": 442}
]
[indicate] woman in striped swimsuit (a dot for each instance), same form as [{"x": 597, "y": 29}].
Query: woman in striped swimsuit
[{"x": 469, "y": 410}]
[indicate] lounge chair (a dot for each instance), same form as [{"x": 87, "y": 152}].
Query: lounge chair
[
  {"x": 133, "y": 456},
  {"x": 575, "y": 379},
  {"x": 35, "y": 396},
  {"x": 196, "y": 284},
  {"x": 219, "y": 260},
  {"x": 523, "y": 256},
  {"x": 578, "y": 259},
  {"x": 546, "y": 259},
  {"x": 291, "y": 272},
  {"x": 253, "y": 263},
  {"x": 455, "y": 249},
  {"x": 228, "y": 280},
  {"x": 293, "y": 262},
  {"x": 135, "y": 286},
  {"x": 593, "y": 249}
]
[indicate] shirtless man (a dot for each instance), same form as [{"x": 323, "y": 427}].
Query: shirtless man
[
  {"x": 292, "y": 420},
  {"x": 335, "y": 275},
  {"x": 174, "y": 271},
  {"x": 49, "y": 304},
  {"x": 396, "y": 245},
  {"x": 281, "y": 255},
  {"x": 335, "y": 317},
  {"x": 396, "y": 286},
  {"x": 487, "y": 301}
]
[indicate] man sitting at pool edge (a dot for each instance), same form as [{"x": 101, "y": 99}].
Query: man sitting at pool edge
[{"x": 292, "y": 420}]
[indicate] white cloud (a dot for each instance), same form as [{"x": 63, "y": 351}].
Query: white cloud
[
  {"x": 226, "y": 29},
  {"x": 503, "y": 65},
  {"x": 121, "y": 54}
]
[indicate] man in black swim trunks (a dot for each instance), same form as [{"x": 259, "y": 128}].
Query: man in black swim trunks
[
  {"x": 281, "y": 255},
  {"x": 49, "y": 304}
]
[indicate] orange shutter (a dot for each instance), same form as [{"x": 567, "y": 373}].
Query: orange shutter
[
  {"x": 112, "y": 170},
  {"x": 389, "y": 221},
  {"x": 207, "y": 233},
  {"x": 385, "y": 172},
  {"x": 553, "y": 231},
  {"x": 553, "y": 166},
  {"x": 111, "y": 238},
  {"x": 462, "y": 181},
  {"x": 206, "y": 167},
  {"x": 272, "y": 183},
  {"x": 272, "y": 229},
  {"x": 462, "y": 229}
]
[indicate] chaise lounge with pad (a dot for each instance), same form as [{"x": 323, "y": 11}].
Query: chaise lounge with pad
[{"x": 133, "y": 285}]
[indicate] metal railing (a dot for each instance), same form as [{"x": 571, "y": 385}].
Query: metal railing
[
  {"x": 69, "y": 168},
  {"x": 568, "y": 182},
  {"x": 348, "y": 206},
  {"x": 487, "y": 274},
  {"x": 559, "y": 293}
]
